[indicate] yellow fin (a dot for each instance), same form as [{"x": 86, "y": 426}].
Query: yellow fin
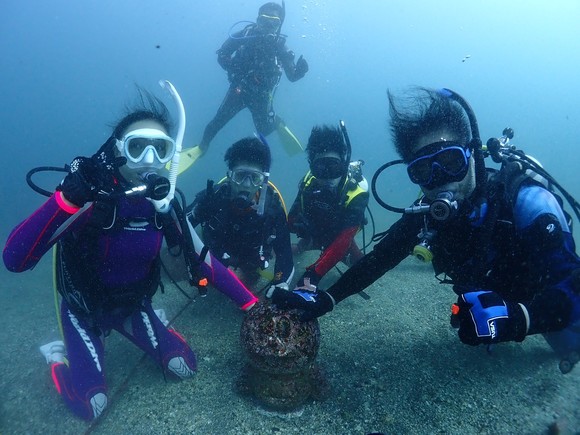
[
  {"x": 187, "y": 158},
  {"x": 290, "y": 142}
]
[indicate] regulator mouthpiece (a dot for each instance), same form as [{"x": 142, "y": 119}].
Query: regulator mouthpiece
[
  {"x": 443, "y": 207},
  {"x": 157, "y": 187}
]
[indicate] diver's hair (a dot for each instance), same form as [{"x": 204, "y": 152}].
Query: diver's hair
[
  {"x": 147, "y": 107},
  {"x": 249, "y": 150},
  {"x": 325, "y": 139},
  {"x": 423, "y": 111},
  {"x": 272, "y": 6}
]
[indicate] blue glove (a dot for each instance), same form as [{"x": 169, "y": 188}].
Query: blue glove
[
  {"x": 483, "y": 317},
  {"x": 312, "y": 302}
]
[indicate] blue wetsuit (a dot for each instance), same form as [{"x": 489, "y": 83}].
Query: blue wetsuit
[{"x": 529, "y": 257}]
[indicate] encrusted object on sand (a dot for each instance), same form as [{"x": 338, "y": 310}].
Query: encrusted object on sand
[{"x": 282, "y": 372}]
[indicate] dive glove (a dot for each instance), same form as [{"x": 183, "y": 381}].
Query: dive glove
[
  {"x": 483, "y": 317},
  {"x": 301, "y": 67},
  {"x": 312, "y": 302},
  {"x": 89, "y": 177}
]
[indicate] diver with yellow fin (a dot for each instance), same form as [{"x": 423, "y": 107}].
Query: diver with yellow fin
[{"x": 254, "y": 58}]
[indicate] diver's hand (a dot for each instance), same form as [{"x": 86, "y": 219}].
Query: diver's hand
[
  {"x": 301, "y": 67},
  {"x": 205, "y": 206},
  {"x": 483, "y": 317},
  {"x": 313, "y": 303},
  {"x": 87, "y": 178}
]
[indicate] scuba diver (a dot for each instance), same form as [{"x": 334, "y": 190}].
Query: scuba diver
[
  {"x": 329, "y": 208},
  {"x": 500, "y": 237},
  {"x": 107, "y": 221},
  {"x": 254, "y": 58},
  {"x": 243, "y": 218}
]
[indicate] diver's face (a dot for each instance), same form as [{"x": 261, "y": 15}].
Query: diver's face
[
  {"x": 447, "y": 165},
  {"x": 269, "y": 22},
  {"x": 151, "y": 149},
  {"x": 245, "y": 180},
  {"x": 328, "y": 168}
]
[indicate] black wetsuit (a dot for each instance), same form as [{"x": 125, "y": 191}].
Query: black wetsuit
[
  {"x": 527, "y": 256},
  {"x": 254, "y": 63},
  {"x": 328, "y": 219},
  {"x": 239, "y": 237}
]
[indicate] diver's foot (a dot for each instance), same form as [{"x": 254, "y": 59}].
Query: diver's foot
[{"x": 54, "y": 352}]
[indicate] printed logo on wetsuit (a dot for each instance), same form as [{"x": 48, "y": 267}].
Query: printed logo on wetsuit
[
  {"x": 149, "y": 328},
  {"x": 492, "y": 329},
  {"x": 88, "y": 343},
  {"x": 136, "y": 226}
]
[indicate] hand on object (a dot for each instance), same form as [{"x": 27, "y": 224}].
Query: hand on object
[{"x": 314, "y": 303}]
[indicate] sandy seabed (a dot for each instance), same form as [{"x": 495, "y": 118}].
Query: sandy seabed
[{"x": 394, "y": 364}]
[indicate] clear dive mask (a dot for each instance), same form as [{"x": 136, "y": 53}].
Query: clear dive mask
[
  {"x": 239, "y": 176},
  {"x": 269, "y": 23},
  {"x": 139, "y": 145}
]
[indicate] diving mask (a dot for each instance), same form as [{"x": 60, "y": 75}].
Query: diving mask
[
  {"x": 327, "y": 168},
  {"x": 139, "y": 144},
  {"x": 447, "y": 164},
  {"x": 270, "y": 23},
  {"x": 239, "y": 176}
]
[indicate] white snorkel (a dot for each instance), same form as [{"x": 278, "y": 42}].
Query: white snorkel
[{"x": 162, "y": 205}]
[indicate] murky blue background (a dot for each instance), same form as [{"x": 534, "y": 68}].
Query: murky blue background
[{"x": 69, "y": 68}]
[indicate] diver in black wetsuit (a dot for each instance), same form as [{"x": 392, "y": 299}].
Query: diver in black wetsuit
[
  {"x": 242, "y": 217},
  {"x": 501, "y": 239},
  {"x": 254, "y": 58}
]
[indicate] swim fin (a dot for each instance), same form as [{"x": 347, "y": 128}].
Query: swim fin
[
  {"x": 187, "y": 158},
  {"x": 290, "y": 142}
]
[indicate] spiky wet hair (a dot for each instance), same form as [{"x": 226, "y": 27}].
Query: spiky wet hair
[
  {"x": 249, "y": 150},
  {"x": 325, "y": 139},
  {"x": 147, "y": 107},
  {"x": 423, "y": 111}
]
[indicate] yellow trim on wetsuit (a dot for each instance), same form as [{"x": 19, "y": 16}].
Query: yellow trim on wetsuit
[
  {"x": 273, "y": 186},
  {"x": 350, "y": 194}
]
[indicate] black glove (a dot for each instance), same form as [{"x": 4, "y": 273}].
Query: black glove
[
  {"x": 313, "y": 303},
  {"x": 88, "y": 177},
  {"x": 483, "y": 317},
  {"x": 301, "y": 67},
  {"x": 205, "y": 205}
]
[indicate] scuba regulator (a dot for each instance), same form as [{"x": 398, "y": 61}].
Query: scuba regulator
[{"x": 444, "y": 206}]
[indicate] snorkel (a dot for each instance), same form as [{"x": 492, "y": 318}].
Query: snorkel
[
  {"x": 264, "y": 188},
  {"x": 346, "y": 141},
  {"x": 162, "y": 205}
]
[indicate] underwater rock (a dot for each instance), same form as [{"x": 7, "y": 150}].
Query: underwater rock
[{"x": 281, "y": 372}]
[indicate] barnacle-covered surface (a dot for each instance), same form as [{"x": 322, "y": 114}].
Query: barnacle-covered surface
[{"x": 281, "y": 350}]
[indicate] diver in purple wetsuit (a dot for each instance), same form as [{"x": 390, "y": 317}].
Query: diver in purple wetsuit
[{"x": 108, "y": 236}]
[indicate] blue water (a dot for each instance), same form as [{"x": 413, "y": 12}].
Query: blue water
[{"x": 68, "y": 68}]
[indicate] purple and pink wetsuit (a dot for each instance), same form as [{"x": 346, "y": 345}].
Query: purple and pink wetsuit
[{"x": 107, "y": 268}]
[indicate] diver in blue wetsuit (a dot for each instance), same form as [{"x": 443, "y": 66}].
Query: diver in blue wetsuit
[{"x": 501, "y": 238}]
